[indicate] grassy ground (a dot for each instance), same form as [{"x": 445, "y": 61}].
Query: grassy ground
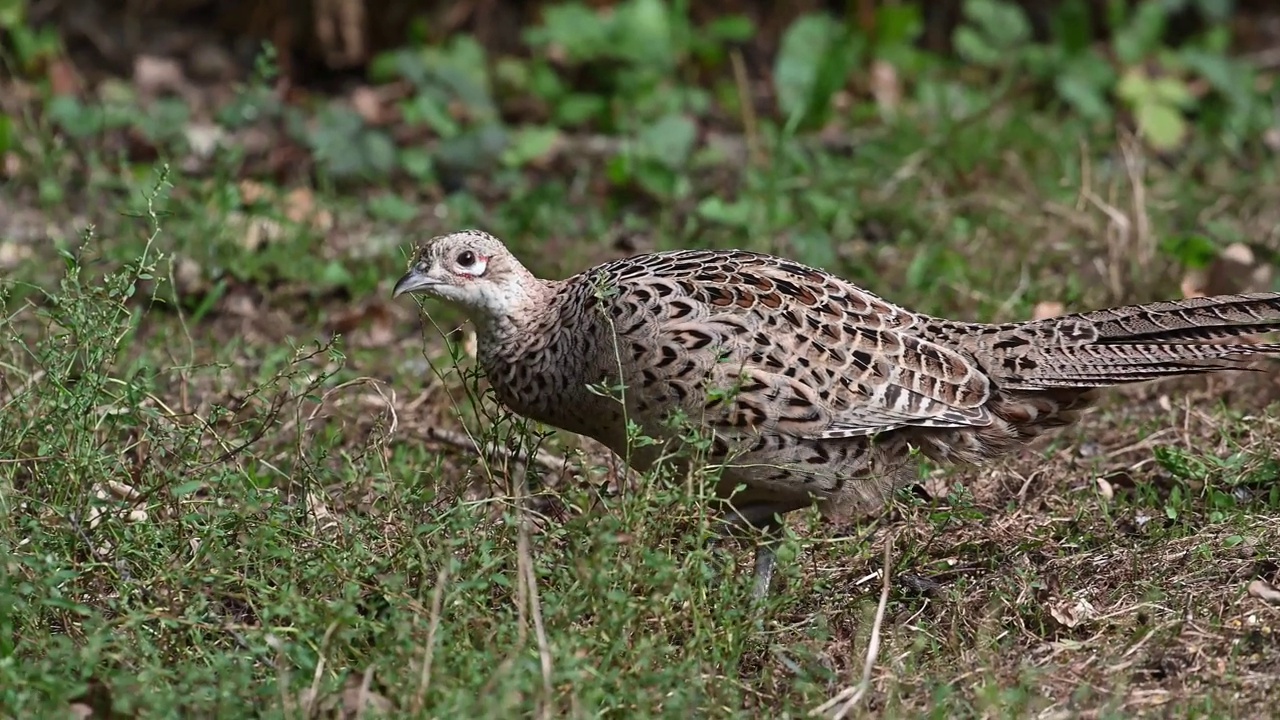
[{"x": 236, "y": 479}]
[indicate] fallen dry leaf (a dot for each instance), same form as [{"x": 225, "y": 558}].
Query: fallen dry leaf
[
  {"x": 204, "y": 138},
  {"x": 63, "y": 78},
  {"x": 469, "y": 343},
  {"x": 12, "y": 253},
  {"x": 1105, "y": 489},
  {"x": 368, "y": 105},
  {"x": 255, "y": 232},
  {"x": 115, "y": 491},
  {"x": 320, "y": 513},
  {"x": 253, "y": 192},
  {"x": 188, "y": 277},
  {"x": 886, "y": 86},
  {"x": 1265, "y": 591},
  {"x": 154, "y": 76},
  {"x": 1048, "y": 309},
  {"x": 368, "y": 325},
  {"x": 123, "y": 491},
  {"x": 355, "y": 700},
  {"x": 299, "y": 204},
  {"x": 300, "y": 207},
  {"x": 1072, "y": 612},
  {"x": 1239, "y": 253},
  {"x": 240, "y": 303},
  {"x": 1271, "y": 138}
]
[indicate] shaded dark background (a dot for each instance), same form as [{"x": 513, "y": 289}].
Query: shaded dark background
[{"x": 320, "y": 40}]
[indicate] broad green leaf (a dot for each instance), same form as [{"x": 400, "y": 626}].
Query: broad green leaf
[
  {"x": 1172, "y": 91},
  {"x": 731, "y": 28},
  {"x": 974, "y": 48},
  {"x": 1215, "y": 10},
  {"x": 1191, "y": 251},
  {"x": 1224, "y": 74},
  {"x": 578, "y": 108},
  {"x": 805, "y": 45},
  {"x": 1134, "y": 86},
  {"x": 580, "y": 31},
  {"x": 898, "y": 24},
  {"x": 643, "y": 33},
  {"x": 430, "y": 110},
  {"x": 475, "y": 148},
  {"x": 75, "y": 119},
  {"x": 1084, "y": 82},
  {"x": 815, "y": 248},
  {"x": 418, "y": 163},
  {"x": 1002, "y": 24},
  {"x": 1141, "y": 34},
  {"x": 715, "y": 209},
  {"x": 13, "y": 14},
  {"x": 1072, "y": 26},
  {"x": 379, "y": 152},
  {"x": 1163, "y": 125},
  {"x": 659, "y": 179},
  {"x": 335, "y": 274},
  {"x": 392, "y": 207},
  {"x": 530, "y": 143},
  {"x": 186, "y": 488},
  {"x": 669, "y": 140}
]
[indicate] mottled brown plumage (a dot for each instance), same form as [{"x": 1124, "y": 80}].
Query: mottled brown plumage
[{"x": 814, "y": 390}]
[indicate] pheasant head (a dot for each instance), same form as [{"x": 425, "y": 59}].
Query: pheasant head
[{"x": 474, "y": 271}]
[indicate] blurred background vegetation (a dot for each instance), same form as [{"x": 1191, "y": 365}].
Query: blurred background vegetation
[{"x": 640, "y": 101}]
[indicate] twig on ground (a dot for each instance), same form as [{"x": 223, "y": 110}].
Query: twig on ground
[
  {"x": 530, "y": 580},
  {"x": 362, "y": 697},
  {"x": 848, "y": 698},
  {"x": 749, "y": 124},
  {"x": 546, "y": 460},
  {"x": 433, "y": 626}
]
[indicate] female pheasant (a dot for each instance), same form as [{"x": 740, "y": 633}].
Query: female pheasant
[{"x": 810, "y": 388}]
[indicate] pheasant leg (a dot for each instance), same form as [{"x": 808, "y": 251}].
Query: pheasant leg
[
  {"x": 765, "y": 520},
  {"x": 766, "y": 560}
]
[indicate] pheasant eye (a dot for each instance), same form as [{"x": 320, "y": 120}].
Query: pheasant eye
[{"x": 466, "y": 258}]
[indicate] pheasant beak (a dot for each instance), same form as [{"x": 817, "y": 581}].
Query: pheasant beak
[{"x": 418, "y": 278}]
